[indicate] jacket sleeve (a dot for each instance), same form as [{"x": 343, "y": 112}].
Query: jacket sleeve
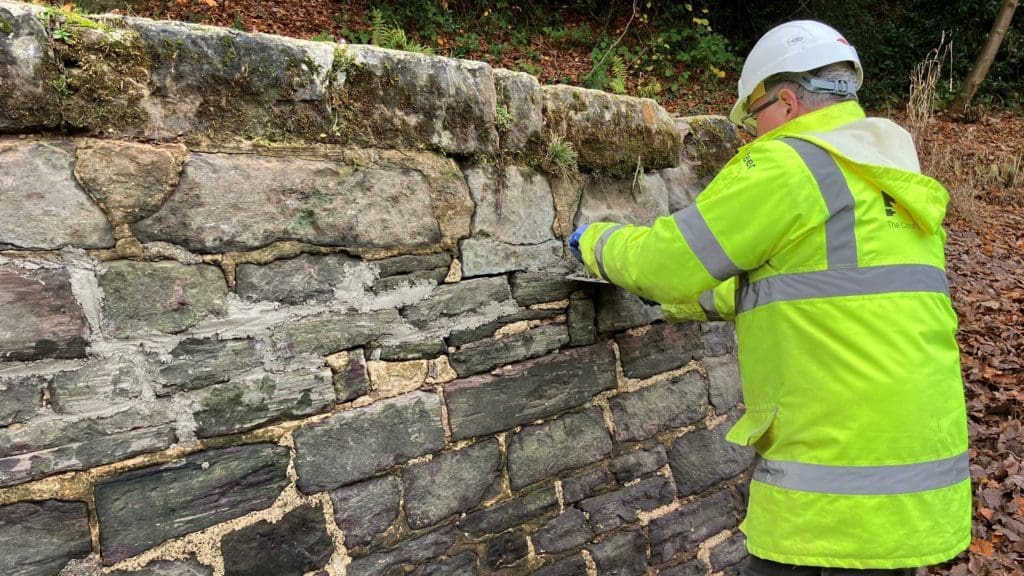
[
  {"x": 718, "y": 303},
  {"x": 760, "y": 202}
]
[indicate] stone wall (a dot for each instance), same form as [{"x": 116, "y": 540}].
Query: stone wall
[{"x": 275, "y": 307}]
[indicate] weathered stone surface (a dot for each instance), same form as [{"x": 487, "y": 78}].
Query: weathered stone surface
[
  {"x": 429, "y": 494},
  {"x": 488, "y": 354},
  {"x": 98, "y": 386},
  {"x": 703, "y": 458},
  {"x": 20, "y": 398},
  {"x": 141, "y": 508},
  {"x": 483, "y": 256},
  {"x": 461, "y": 337},
  {"x": 615, "y": 509},
  {"x": 529, "y": 288},
  {"x": 621, "y": 554},
  {"x": 658, "y": 407},
  {"x": 519, "y": 96},
  {"x": 392, "y": 99},
  {"x": 729, "y": 553},
  {"x": 352, "y": 380},
  {"x": 461, "y": 565},
  {"x": 45, "y": 446},
  {"x": 572, "y": 566},
  {"x": 582, "y": 317},
  {"x": 129, "y": 181},
  {"x": 450, "y": 303},
  {"x": 333, "y": 332},
  {"x": 304, "y": 278},
  {"x": 413, "y": 348},
  {"x": 726, "y": 390},
  {"x": 511, "y": 513},
  {"x": 586, "y": 483},
  {"x": 28, "y": 68},
  {"x": 513, "y": 204},
  {"x": 658, "y": 348},
  {"x": 694, "y": 567},
  {"x": 684, "y": 529},
  {"x": 407, "y": 552},
  {"x": 708, "y": 143},
  {"x": 644, "y": 132},
  {"x": 619, "y": 310},
  {"x": 623, "y": 200},
  {"x": 628, "y": 467},
  {"x": 197, "y": 363},
  {"x": 719, "y": 338},
  {"x": 527, "y": 391},
  {"x": 568, "y": 531},
  {"x": 354, "y": 445},
  {"x": 44, "y": 208},
  {"x": 40, "y": 538},
  {"x": 292, "y": 546},
  {"x": 188, "y": 567},
  {"x": 506, "y": 550},
  {"x": 367, "y": 509},
  {"x": 403, "y": 272},
  {"x": 159, "y": 296},
  {"x": 39, "y": 316},
  {"x": 247, "y": 402},
  {"x": 538, "y": 452}
]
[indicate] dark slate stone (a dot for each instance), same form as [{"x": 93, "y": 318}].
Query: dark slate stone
[
  {"x": 400, "y": 265},
  {"x": 659, "y": 348},
  {"x": 188, "y": 567},
  {"x": 488, "y": 354},
  {"x": 572, "y": 566},
  {"x": 431, "y": 347},
  {"x": 404, "y": 281},
  {"x": 684, "y": 529},
  {"x": 429, "y": 493},
  {"x": 729, "y": 553},
  {"x": 659, "y": 407},
  {"x": 141, "y": 508},
  {"x": 40, "y": 538},
  {"x": 726, "y": 389},
  {"x": 568, "y": 531},
  {"x": 354, "y": 445},
  {"x": 586, "y": 483},
  {"x": 636, "y": 464},
  {"x": 719, "y": 338},
  {"x": 20, "y": 398},
  {"x": 463, "y": 336},
  {"x": 453, "y": 300},
  {"x": 196, "y": 363},
  {"x": 334, "y": 332},
  {"x": 618, "y": 310},
  {"x": 294, "y": 545},
  {"x": 614, "y": 509},
  {"x": 353, "y": 381},
  {"x": 528, "y": 391},
  {"x": 703, "y": 458},
  {"x": 621, "y": 555},
  {"x": 413, "y": 551},
  {"x": 511, "y": 513},
  {"x": 506, "y": 550},
  {"x": 30, "y": 99},
  {"x": 40, "y": 316},
  {"x": 529, "y": 288},
  {"x": 694, "y": 567},
  {"x": 305, "y": 278},
  {"x": 571, "y": 441},
  {"x": 365, "y": 510},
  {"x": 462, "y": 565},
  {"x": 97, "y": 386},
  {"x": 582, "y": 327}
]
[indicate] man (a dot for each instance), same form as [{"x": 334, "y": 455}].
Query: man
[{"x": 824, "y": 243}]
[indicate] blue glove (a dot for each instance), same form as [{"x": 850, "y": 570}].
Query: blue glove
[{"x": 574, "y": 242}]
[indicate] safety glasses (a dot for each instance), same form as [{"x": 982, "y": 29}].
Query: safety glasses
[{"x": 749, "y": 121}]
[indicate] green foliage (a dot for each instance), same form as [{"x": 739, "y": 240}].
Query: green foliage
[
  {"x": 323, "y": 36},
  {"x": 562, "y": 158},
  {"x": 503, "y": 118},
  {"x": 388, "y": 36}
]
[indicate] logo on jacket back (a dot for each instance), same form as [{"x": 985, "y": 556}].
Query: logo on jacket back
[
  {"x": 895, "y": 221},
  {"x": 890, "y": 209}
]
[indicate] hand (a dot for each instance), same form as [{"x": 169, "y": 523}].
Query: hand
[{"x": 574, "y": 242}]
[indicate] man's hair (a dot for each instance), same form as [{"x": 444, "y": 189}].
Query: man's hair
[{"x": 839, "y": 71}]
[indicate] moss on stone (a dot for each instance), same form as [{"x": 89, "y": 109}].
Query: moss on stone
[{"x": 5, "y": 26}]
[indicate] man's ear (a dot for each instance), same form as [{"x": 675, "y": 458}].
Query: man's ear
[{"x": 793, "y": 105}]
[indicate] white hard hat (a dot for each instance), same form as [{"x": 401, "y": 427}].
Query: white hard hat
[{"x": 796, "y": 46}]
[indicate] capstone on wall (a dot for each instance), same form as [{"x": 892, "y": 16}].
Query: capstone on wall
[{"x": 275, "y": 307}]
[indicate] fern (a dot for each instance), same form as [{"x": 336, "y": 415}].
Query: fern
[{"x": 387, "y": 36}]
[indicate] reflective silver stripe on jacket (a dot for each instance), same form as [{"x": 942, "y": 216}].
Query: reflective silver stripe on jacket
[
  {"x": 864, "y": 480},
  {"x": 599, "y": 248},
  {"x": 842, "y": 282},
  {"x": 707, "y": 303},
  {"x": 704, "y": 244}
]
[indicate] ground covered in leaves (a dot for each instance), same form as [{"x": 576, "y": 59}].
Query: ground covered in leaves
[{"x": 982, "y": 162}]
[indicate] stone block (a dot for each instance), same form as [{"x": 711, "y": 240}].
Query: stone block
[
  {"x": 294, "y": 545},
  {"x": 21, "y": 397},
  {"x": 708, "y": 143},
  {"x": 98, "y": 386},
  {"x": 163, "y": 296},
  {"x": 29, "y": 96},
  {"x": 142, "y": 508},
  {"x": 719, "y": 338},
  {"x": 40, "y": 538},
  {"x": 39, "y": 315},
  {"x": 574, "y": 565},
  {"x": 513, "y": 204},
  {"x": 519, "y": 97},
  {"x": 615, "y": 509},
  {"x": 729, "y": 553},
  {"x": 199, "y": 362},
  {"x": 485, "y": 256},
  {"x": 333, "y": 332},
  {"x": 188, "y": 567},
  {"x": 529, "y": 288},
  {"x": 506, "y": 550},
  {"x": 619, "y": 310},
  {"x": 451, "y": 303},
  {"x": 633, "y": 465},
  {"x": 486, "y": 355},
  {"x": 354, "y": 445},
  {"x": 351, "y": 379},
  {"x": 621, "y": 554},
  {"x": 726, "y": 389},
  {"x": 414, "y": 551},
  {"x": 659, "y": 407},
  {"x": 586, "y": 483},
  {"x": 520, "y": 510},
  {"x": 463, "y": 336},
  {"x": 570, "y": 441},
  {"x": 682, "y": 530},
  {"x": 623, "y": 200},
  {"x": 365, "y": 510},
  {"x": 582, "y": 318},
  {"x": 525, "y": 392},
  {"x": 703, "y": 458},
  {"x": 298, "y": 280},
  {"x": 429, "y": 494},
  {"x": 567, "y": 531},
  {"x": 658, "y": 348},
  {"x": 694, "y": 567},
  {"x": 462, "y": 565},
  {"x": 415, "y": 347}
]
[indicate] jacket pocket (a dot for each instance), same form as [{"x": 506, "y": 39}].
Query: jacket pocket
[{"x": 752, "y": 426}]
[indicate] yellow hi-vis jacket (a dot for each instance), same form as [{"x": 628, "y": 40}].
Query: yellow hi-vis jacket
[{"x": 824, "y": 243}]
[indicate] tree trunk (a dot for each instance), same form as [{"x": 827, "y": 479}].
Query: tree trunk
[{"x": 985, "y": 58}]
